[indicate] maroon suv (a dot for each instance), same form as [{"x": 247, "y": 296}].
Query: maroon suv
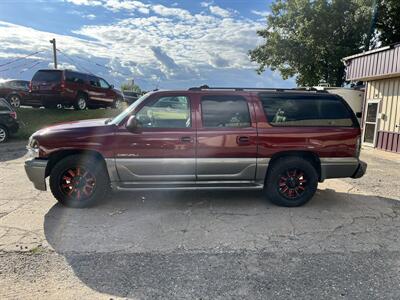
[
  {"x": 282, "y": 141},
  {"x": 51, "y": 88}
]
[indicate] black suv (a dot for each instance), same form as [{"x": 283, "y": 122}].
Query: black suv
[
  {"x": 8, "y": 120},
  {"x": 51, "y": 88}
]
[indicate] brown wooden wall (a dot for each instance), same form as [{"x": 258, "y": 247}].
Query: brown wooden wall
[
  {"x": 384, "y": 63},
  {"x": 388, "y": 92}
]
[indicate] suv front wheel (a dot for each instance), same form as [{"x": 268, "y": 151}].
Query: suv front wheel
[
  {"x": 291, "y": 181},
  {"x": 79, "y": 181},
  {"x": 81, "y": 102}
]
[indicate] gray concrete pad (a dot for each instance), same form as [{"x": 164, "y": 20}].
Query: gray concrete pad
[{"x": 209, "y": 245}]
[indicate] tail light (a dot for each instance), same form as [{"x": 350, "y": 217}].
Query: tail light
[
  {"x": 30, "y": 86},
  {"x": 62, "y": 85},
  {"x": 13, "y": 115}
]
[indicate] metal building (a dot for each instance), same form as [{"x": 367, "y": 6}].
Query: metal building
[{"x": 380, "y": 70}]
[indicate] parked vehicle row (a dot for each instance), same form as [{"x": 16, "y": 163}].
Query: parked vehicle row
[
  {"x": 54, "y": 88},
  {"x": 8, "y": 120},
  {"x": 282, "y": 141}
]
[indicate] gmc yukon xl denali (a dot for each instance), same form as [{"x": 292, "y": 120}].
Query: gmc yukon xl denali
[{"x": 282, "y": 141}]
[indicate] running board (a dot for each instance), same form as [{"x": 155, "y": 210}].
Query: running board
[{"x": 147, "y": 186}]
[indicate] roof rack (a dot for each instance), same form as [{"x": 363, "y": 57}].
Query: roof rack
[{"x": 206, "y": 87}]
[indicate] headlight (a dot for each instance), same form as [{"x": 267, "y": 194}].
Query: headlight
[{"x": 33, "y": 148}]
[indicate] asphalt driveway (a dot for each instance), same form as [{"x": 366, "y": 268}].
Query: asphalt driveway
[{"x": 224, "y": 245}]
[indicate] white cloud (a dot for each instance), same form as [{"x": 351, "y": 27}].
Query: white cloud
[
  {"x": 219, "y": 11},
  {"x": 85, "y": 2},
  {"x": 173, "y": 46},
  {"x": 90, "y": 16},
  {"x": 262, "y": 13},
  {"x": 171, "y": 12}
]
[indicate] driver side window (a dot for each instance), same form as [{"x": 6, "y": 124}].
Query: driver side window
[{"x": 166, "y": 112}]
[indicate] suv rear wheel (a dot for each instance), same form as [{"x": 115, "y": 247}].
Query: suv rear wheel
[
  {"x": 291, "y": 181},
  {"x": 81, "y": 102},
  {"x": 15, "y": 101},
  {"x": 79, "y": 181},
  {"x": 3, "y": 134}
]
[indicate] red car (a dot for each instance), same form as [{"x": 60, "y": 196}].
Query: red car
[
  {"x": 16, "y": 92},
  {"x": 51, "y": 88},
  {"x": 282, "y": 141}
]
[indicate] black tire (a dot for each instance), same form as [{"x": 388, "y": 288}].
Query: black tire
[
  {"x": 300, "y": 185},
  {"x": 81, "y": 102},
  {"x": 68, "y": 196},
  {"x": 14, "y": 100},
  {"x": 3, "y": 134},
  {"x": 117, "y": 104}
]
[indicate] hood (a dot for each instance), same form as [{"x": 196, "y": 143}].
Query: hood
[{"x": 72, "y": 126}]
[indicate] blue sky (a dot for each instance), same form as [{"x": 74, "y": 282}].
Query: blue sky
[{"x": 158, "y": 43}]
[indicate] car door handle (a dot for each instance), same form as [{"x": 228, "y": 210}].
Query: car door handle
[
  {"x": 243, "y": 140},
  {"x": 186, "y": 139}
]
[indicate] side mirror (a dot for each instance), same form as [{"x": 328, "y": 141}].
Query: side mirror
[
  {"x": 132, "y": 124},
  {"x": 359, "y": 115},
  {"x": 111, "y": 86}
]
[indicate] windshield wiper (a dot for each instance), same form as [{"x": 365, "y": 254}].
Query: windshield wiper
[{"x": 108, "y": 121}]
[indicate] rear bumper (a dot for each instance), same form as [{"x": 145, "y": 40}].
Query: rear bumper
[
  {"x": 361, "y": 170},
  {"x": 342, "y": 167},
  {"x": 36, "y": 171},
  {"x": 52, "y": 98}
]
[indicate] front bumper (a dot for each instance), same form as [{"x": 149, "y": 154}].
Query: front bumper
[{"x": 36, "y": 171}]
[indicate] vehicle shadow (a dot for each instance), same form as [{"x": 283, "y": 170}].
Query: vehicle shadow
[
  {"x": 12, "y": 150},
  {"x": 213, "y": 244}
]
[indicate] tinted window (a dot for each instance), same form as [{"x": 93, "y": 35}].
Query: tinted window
[
  {"x": 75, "y": 77},
  {"x": 166, "y": 112},
  {"x": 48, "y": 76},
  {"x": 22, "y": 84},
  {"x": 94, "y": 81},
  {"x": 303, "y": 110},
  {"x": 4, "y": 106},
  {"x": 104, "y": 84},
  {"x": 225, "y": 111}
]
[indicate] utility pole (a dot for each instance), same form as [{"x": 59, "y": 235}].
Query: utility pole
[{"x": 53, "y": 41}]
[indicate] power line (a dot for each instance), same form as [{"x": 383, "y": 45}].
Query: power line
[
  {"x": 19, "y": 66},
  {"x": 74, "y": 62},
  {"x": 20, "y": 58},
  {"x": 100, "y": 65}
]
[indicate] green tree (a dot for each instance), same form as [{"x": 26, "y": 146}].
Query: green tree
[
  {"x": 131, "y": 88},
  {"x": 308, "y": 39},
  {"x": 388, "y": 21}
]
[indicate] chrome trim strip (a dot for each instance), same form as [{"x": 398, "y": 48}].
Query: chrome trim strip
[
  {"x": 146, "y": 169},
  {"x": 226, "y": 168}
]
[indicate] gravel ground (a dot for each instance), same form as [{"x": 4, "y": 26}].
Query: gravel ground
[{"x": 344, "y": 244}]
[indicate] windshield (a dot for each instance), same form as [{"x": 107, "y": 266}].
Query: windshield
[{"x": 118, "y": 119}]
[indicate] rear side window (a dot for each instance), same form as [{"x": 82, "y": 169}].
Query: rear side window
[
  {"x": 75, "y": 77},
  {"x": 4, "y": 106},
  {"x": 303, "y": 110},
  {"x": 225, "y": 111},
  {"x": 47, "y": 76}
]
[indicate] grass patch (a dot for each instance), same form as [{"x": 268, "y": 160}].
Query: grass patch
[{"x": 31, "y": 120}]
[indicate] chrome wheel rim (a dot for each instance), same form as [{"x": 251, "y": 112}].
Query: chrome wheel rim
[
  {"x": 3, "y": 135},
  {"x": 82, "y": 103},
  {"x": 14, "y": 101},
  {"x": 118, "y": 104}
]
